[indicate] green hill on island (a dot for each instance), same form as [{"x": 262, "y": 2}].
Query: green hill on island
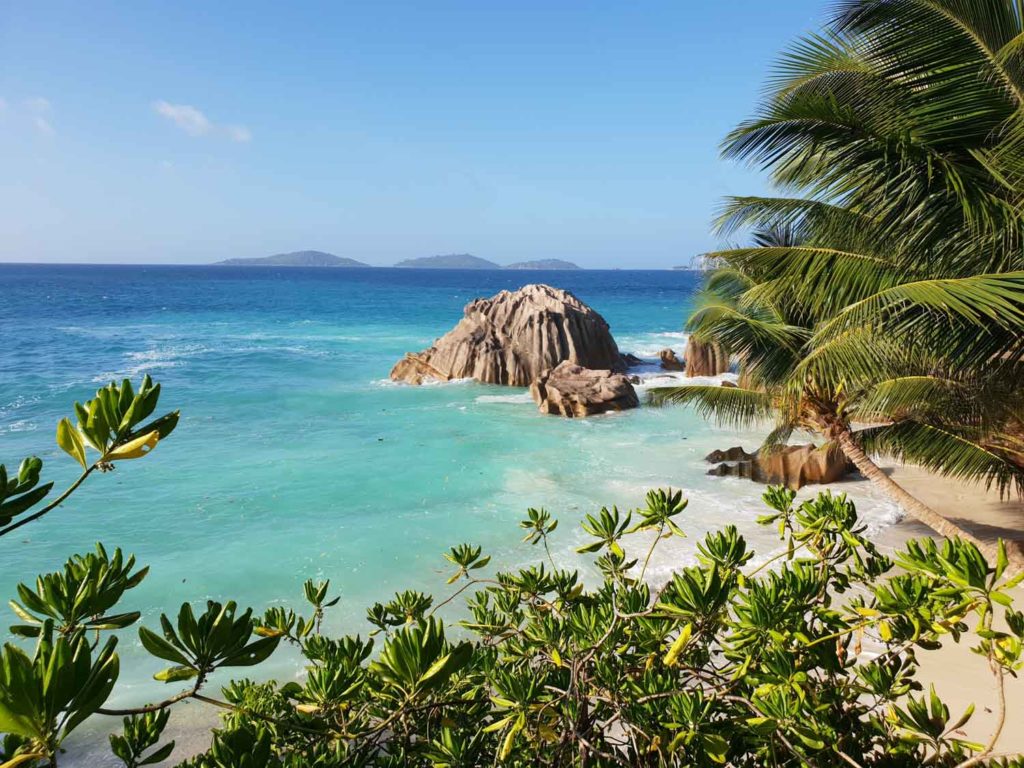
[
  {"x": 295, "y": 259},
  {"x": 449, "y": 261},
  {"x": 468, "y": 261},
  {"x": 543, "y": 264}
]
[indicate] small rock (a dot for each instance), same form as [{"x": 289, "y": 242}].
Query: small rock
[
  {"x": 571, "y": 390},
  {"x": 669, "y": 361},
  {"x": 736, "y": 453},
  {"x": 792, "y": 465}
]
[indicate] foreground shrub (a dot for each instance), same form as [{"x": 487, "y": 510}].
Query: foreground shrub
[{"x": 805, "y": 657}]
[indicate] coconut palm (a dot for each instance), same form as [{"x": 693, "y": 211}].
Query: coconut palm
[
  {"x": 883, "y": 305},
  {"x": 894, "y": 400}
]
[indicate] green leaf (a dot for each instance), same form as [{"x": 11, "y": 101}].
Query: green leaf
[
  {"x": 159, "y": 755},
  {"x": 70, "y": 441},
  {"x": 176, "y": 674},
  {"x": 161, "y": 648}
]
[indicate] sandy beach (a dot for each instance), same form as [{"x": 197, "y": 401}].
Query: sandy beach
[{"x": 960, "y": 676}]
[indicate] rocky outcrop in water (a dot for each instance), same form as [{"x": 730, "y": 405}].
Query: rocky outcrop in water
[
  {"x": 513, "y": 337},
  {"x": 571, "y": 390},
  {"x": 792, "y": 465},
  {"x": 705, "y": 359},
  {"x": 669, "y": 360}
]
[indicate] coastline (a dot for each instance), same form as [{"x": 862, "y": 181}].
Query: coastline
[{"x": 961, "y": 677}]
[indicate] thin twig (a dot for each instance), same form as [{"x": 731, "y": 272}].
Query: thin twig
[{"x": 59, "y": 500}]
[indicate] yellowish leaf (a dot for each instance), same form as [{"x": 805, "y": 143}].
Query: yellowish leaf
[
  {"x": 22, "y": 759},
  {"x": 678, "y": 646},
  {"x": 134, "y": 449}
]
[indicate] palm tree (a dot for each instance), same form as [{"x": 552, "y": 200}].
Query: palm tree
[
  {"x": 883, "y": 305},
  {"x": 867, "y": 395}
]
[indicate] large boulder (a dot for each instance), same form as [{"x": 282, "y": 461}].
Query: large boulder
[
  {"x": 670, "y": 361},
  {"x": 571, "y": 390},
  {"x": 513, "y": 337},
  {"x": 705, "y": 359},
  {"x": 792, "y": 465}
]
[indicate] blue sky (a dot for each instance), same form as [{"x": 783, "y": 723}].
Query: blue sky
[{"x": 191, "y": 132}]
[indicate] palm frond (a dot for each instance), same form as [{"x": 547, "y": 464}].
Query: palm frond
[
  {"x": 945, "y": 452},
  {"x": 825, "y": 279},
  {"x": 972, "y": 321},
  {"x": 915, "y": 397},
  {"x": 768, "y": 347},
  {"x": 802, "y": 216},
  {"x": 732, "y": 406}
]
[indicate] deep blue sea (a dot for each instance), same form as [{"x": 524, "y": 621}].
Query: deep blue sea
[{"x": 297, "y": 458}]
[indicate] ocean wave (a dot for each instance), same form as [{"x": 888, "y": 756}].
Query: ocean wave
[
  {"x": 131, "y": 371},
  {"x": 648, "y": 345},
  {"x": 518, "y": 398},
  {"x": 159, "y": 355},
  {"x": 387, "y": 382},
  {"x": 649, "y": 380},
  {"x": 22, "y": 425},
  {"x": 18, "y": 402}
]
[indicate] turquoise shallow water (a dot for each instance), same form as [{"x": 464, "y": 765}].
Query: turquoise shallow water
[{"x": 295, "y": 458}]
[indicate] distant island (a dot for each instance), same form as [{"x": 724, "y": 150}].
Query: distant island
[
  {"x": 450, "y": 261},
  {"x": 295, "y": 259},
  {"x": 468, "y": 261},
  {"x": 543, "y": 264},
  {"x": 447, "y": 261}
]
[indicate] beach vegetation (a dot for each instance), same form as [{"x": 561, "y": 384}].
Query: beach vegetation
[
  {"x": 804, "y": 655},
  {"x": 881, "y": 302}
]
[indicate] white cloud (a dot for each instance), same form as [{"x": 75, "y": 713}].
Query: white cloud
[
  {"x": 193, "y": 122},
  {"x": 43, "y": 126},
  {"x": 188, "y": 118}
]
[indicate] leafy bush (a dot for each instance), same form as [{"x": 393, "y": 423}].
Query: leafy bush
[{"x": 808, "y": 658}]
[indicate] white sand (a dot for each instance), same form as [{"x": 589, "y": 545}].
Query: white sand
[{"x": 960, "y": 676}]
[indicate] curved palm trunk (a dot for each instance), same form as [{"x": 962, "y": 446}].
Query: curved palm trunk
[{"x": 913, "y": 506}]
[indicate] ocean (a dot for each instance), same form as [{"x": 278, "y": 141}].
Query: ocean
[{"x": 296, "y": 458}]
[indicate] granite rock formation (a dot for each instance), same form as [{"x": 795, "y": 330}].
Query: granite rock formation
[
  {"x": 792, "y": 465},
  {"x": 571, "y": 390},
  {"x": 513, "y": 337},
  {"x": 670, "y": 361},
  {"x": 705, "y": 359}
]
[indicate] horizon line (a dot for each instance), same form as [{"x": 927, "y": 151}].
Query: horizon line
[{"x": 498, "y": 268}]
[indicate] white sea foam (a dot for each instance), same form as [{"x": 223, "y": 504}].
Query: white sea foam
[
  {"x": 648, "y": 345},
  {"x": 426, "y": 383},
  {"x": 156, "y": 358},
  {"x": 649, "y": 380},
  {"x": 21, "y": 425},
  {"x": 160, "y": 355},
  {"x": 518, "y": 398},
  {"x": 20, "y": 401}
]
